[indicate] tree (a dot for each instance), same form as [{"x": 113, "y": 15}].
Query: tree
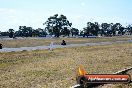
[
  {"x": 4, "y": 33},
  {"x": 129, "y": 29},
  {"x": 104, "y": 29},
  {"x": 55, "y": 24},
  {"x": 74, "y": 31},
  {"x": 95, "y": 29},
  {"x": 29, "y": 31},
  {"x": 82, "y": 33},
  {"x": 121, "y": 31},
  {"x": 0, "y": 33},
  {"x": 25, "y": 31},
  {"x": 35, "y": 33},
  {"x": 11, "y": 33},
  {"x": 40, "y": 32},
  {"x": 117, "y": 27},
  {"x": 87, "y": 30},
  {"x": 65, "y": 31},
  {"x": 22, "y": 31},
  {"x": 91, "y": 29}
]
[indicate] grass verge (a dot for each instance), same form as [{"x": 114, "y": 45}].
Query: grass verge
[{"x": 57, "y": 69}]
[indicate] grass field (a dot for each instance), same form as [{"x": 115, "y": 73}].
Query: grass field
[
  {"x": 13, "y": 43},
  {"x": 57, "y": 69}
]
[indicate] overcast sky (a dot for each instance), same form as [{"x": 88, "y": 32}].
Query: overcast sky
[{"x": 33, "y": 13}]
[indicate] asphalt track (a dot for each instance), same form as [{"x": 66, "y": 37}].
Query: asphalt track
[{"x": 58, "y": 46}]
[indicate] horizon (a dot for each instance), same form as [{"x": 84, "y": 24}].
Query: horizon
[{"x": 33, "y": 13}]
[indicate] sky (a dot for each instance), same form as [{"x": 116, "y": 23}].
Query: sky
[{"x": 33, "y": 13}]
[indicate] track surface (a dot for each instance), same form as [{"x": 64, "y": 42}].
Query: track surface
[{"x": 57, "y": 46}]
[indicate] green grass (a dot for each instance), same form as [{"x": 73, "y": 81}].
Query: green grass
[{"x": 57, "y": 69}]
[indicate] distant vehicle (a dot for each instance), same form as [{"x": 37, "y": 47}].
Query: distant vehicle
[
  {"x": 63, "y": 42},
  {"x": 0, "y": 46}
]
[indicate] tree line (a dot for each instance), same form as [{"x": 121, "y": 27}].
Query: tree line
[
  {"x": 58, "y": 25},
  {"x": 106, "y": 29}
]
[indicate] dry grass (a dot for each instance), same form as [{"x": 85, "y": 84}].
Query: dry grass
[
  {"x": 57, "y": 69},
  {"x": 39, "y": 42}
]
